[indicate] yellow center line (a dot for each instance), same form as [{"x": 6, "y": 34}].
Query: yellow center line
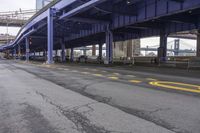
[
  {"x": 114, "y": 78},
  {"x": 135, "y": 81},
  {"x": 170, "y": 85}
]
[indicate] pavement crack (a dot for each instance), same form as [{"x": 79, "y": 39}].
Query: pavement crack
[
  {"x": 82, "y": 123},
  {"x": 158, "y": 110}
]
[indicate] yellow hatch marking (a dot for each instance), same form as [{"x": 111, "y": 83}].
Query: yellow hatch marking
[
  {"x": 114, "y": 78},
  {"x": 98, "y": 75},
  {"x": 85, "y": 72},
  {"x": 135, "y": 81},
  {"x": 188, "y": 87}
]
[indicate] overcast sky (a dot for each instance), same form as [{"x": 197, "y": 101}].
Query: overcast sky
[{"x": 12, "y": 5}]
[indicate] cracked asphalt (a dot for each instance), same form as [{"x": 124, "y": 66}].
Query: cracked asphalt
[{"x": 70, "y": 98}]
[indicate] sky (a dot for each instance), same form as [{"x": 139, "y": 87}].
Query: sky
[{"x": 14, "y": 5}]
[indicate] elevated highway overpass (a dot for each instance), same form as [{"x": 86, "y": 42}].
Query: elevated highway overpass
[{"x": 67, "y": 24}]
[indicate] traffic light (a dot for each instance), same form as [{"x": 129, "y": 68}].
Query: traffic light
[{"x": 30, "y": 40}]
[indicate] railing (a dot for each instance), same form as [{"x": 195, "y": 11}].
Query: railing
[{"x": 194, "y": 63}]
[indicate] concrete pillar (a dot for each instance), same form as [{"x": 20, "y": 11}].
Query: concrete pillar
[
  {"x": 72, "y": 55},
  {"x": 27, "y": 48},
  {"x": 162, "y": 50},
  {"x": 63, "y": 57},
  {"x": 50, "y": 36},
  {"x": 109, "y": 46},
  {"x": 93, "y": 50},
  {"x": 100, "y": 51},
  {"x": 198, "y": 44}
]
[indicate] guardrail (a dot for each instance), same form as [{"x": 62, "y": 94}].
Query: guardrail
[{"x": 194, "y": 63}]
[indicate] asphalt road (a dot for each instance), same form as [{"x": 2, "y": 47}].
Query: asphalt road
[{"x": 85, "y": 98}]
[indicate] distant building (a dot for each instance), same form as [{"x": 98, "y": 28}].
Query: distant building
[
  {"x": 128, "y": 48},
  {"x": 41, "y": 3}
]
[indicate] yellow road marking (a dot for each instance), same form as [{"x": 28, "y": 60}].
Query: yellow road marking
[
  {"x": 169, "y": 85},
  {"x": 135, "y": 81},
  {"x": 98, "y": 75},
  {"x": 151, "y": 79},
  {"x": 114, "y": 78},
  {"x": 132, "y": 76},
  {"x": 85, "y": 72}
]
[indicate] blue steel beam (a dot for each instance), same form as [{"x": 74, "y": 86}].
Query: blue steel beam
[
  {"x": 25, "y": 35},
  {"x": 147, "y": 12},
  {"x": 81, "y": 8},
  {"x": 88, "y": 20}
]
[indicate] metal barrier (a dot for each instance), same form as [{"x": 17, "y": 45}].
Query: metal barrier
[{"x": 194, "y": 63}]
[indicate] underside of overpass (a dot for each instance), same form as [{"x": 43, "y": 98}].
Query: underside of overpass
[{"x": 67, "y": 24}]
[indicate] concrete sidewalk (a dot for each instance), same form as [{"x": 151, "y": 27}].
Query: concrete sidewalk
[{"x": 31, "y": 104}]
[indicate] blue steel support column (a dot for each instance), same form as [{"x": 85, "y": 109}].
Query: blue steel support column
[
  {"x": 19, "y": 51},
  {"x": 27, "y": 48},
  {"x": 72, "y": 55},
  {"x": 14, "y": 52},
  {"x": 85, "y": 51},
  {"x": 109, "y": 47},
  {"x": 198, "y": 44},
  {"x": 34, "y": 54},
  {"x": 100, "y": 52},
  {"x": 50, "y": 35},
  {"x": 162, "y": 50},
  {"x": 63, "y": 50}
]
